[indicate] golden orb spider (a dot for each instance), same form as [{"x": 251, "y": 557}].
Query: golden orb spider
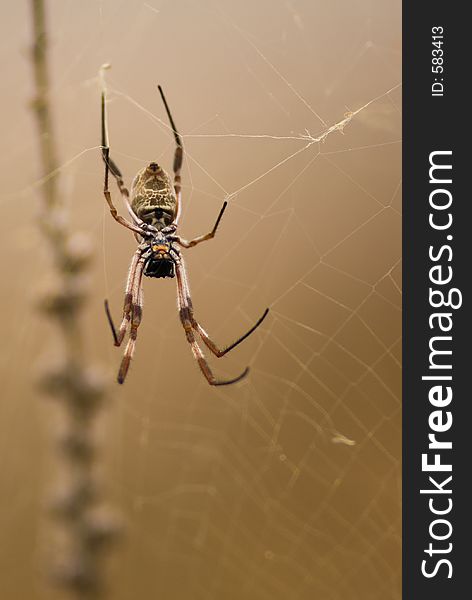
[{"x": 154, "y": 206}]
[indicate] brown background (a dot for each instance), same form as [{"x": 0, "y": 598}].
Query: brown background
[{"x": 245, "y": 492}]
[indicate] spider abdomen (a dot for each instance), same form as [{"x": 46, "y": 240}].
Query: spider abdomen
[{"x": 153, "y": 197}]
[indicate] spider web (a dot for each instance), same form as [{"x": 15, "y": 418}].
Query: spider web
[{"x": 286, "y": 486}]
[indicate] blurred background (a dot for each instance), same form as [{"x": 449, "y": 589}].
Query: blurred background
[{"x": 287, "y": 485}]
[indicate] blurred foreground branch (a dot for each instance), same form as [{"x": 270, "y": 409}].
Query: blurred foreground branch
[{"x": 82, "y": 527}]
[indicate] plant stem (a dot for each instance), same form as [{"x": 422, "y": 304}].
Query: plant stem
[{"x": 82, "y": 524}]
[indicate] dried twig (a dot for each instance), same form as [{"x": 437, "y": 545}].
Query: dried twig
[{"x": 82, "y": 526}]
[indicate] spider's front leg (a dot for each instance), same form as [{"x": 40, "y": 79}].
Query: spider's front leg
[
  {"x": 136, "y": 316},
  {"x": 132, "y": 312},
  {"x": 185, "y": 317},
  {"x": 209, "y": 343},
  {"x": 130, "y": 296},
  {"x": 190, "y": 324}
]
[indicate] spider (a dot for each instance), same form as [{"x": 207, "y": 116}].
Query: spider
[{"x": 154, "y": 206}]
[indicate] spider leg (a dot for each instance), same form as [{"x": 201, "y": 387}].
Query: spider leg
[
  {"x": 130, "y": 294},
  {"x": 202, "y": 238},
  {"x": 178, "y": 156},
  {"x": 136, "y": 316},
  {"x": 219, "y": 352},
  {"x": 188, "y": 323},
  {"x": 209, "y": 343},
  {"x": 114, "y": 213},
  {"x": 111, "y": 167}
]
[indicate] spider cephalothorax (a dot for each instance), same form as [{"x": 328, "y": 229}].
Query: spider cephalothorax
[
  {"x": 154, "y": 208},
  {"x": 162, "y": 257}
]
